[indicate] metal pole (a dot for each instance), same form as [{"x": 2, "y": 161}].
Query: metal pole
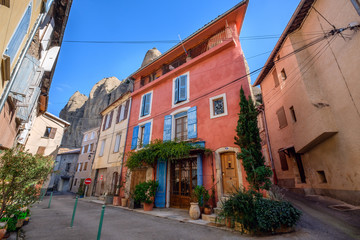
[
  {"x": 50, "y": 199},
  {"x": 73, "y": 216},
  {"x": 100, "y": 224}
]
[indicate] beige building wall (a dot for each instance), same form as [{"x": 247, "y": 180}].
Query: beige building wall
[
  {"x": 322, "y": 86},
  {"x": 9, "y": 19},
  {"x": 108, "y": 160},
  {"x": 39, "y": 142},
  {"x": 86, "y": 157}
]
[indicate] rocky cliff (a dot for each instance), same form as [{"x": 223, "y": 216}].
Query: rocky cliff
[{"x": 84, "y": 112}]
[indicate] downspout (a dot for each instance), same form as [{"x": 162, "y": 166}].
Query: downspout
[
  {"x": 126, "y": 134},
  {"x": 268, "y": 144},
  {"x": 18, "y": 63}
]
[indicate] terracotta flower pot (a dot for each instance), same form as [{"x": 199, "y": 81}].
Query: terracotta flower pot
[
  {"x": 194, "y": 211},
  {"x": 148, "y": 206},
  {"x": 116, "y": 201},
  {"x": 2, "y": 232},
  {"x": 229, "y": 222},
  {"x": 124, "y": 202},
  {"x": 207, "y": 210}
]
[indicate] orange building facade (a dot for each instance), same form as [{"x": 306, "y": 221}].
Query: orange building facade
[{"x": 191, "y": 93}]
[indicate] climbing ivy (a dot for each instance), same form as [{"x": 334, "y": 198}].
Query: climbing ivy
[{"x": 157, "y": 149}]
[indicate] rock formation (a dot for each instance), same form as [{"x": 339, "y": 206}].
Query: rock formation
[
  {"x": 84, "y": 112},
  {"x": 150, "y": 56}
]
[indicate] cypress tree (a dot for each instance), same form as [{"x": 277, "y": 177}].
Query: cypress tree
[{"x": 248, "y": 139}]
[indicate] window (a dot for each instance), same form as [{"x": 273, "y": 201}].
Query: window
[
  {"x": 78, "y": 167},
  {"x": 181, "y": 90},
  {"x": 85, "y": 137},
  {"x": 91, "y": 147},
  {"x": 75, "y": 181},
  {"x": 275, "y": 76},
  {"x": 101, "y": 153},
  {"x": 81, "y": 164},
  {"x": 356, "y": 4},
  {"x": 122, "y": 112},
  {"x": 218, "y": 106},
  {"x": 283, "y": 161},
  {"x": 67, "y": 168},
  {"x": 141, "y": 135},
  {"x": 117, "y": 143},
  {"x": 322, "y": 177},
  {"x": 145, "y": 105},
  {"x": 181, "y": 128},
  {"x": 83, "y": 150},
  {"x": 292, "y": 113},
  {"x": 17, "y": 38},
  {"x": 85, "y": 166},
  {"x": 92, "y": 135},
  {"x": 283, "y": 75},
  {"x": 108, "y": 120},
  {"x": 50, "y": 132},
  {"x": 281, "y": 117},
  {"x": 41, "y": 150}
]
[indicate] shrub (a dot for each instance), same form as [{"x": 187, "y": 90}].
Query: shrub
[{"x": 257, "y": 214}]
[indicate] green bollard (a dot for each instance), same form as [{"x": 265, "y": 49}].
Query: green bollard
[
  {"x": 50, "y": 199},
  {"x": 101, "y": 220},
  {"x": 73, "y": 216}
]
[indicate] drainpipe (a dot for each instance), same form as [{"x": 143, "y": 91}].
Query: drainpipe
[
  {"x": 18, "y": 63},
  {"x": 261, "y": 108}
]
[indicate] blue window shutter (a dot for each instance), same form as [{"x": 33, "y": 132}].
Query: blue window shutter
[
  {"x": 147, "y": 104},
  {"x": 176, "y": 100},
  {"x": 134, "y": 138},
  {"x": 143, "y": 105},
  {"x": 167, "y": 128},
  {"x": 192, "y": 123},
  {"x": 18, "y": 37},
  {"x": 146, "y": 139},
  {"x": 182, "y": 88}
]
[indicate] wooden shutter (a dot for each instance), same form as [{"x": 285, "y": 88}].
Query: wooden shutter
[
  {"x": 5, "y": 68},
  {"x": 104, "y": 123},
  {"x": 143, "y": 106},
  {"x": 176, "y": 100},
  {"x": 281, "y": 117},
  {"x": 192, "y": 123},
  {"x": 134, "y": 138},
  {"x": 126, "y": 109},
  {"x": 41, "y": 150},
  {"x": 52, "y": 133},
  {"x": 146, "y": 104},
  {"x": 102, "y": 148},
  {"x": 146, "y": 139},
  {"x": 118, "y": 115},
  {"x": 275, "y": 76},
  {"x": 283, "y": 162},
  {"x": 18, "y": 37},
  {"x": 85, "y": 167},
  {"x": 167, "y": 128},
  {"x": 111, "y": 117},
  {"x": 117, "y": 143},
  {"x": 182, "y": 87},
  {"x": 5, "y": 3}
]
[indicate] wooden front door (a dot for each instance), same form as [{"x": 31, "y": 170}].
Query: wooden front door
[
  {"x": 183, "y": 179},
  {"x": 229, "y": 172},
  {"x": 137, "y": 176}
]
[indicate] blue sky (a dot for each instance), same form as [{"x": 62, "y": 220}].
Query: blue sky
[{"x": 81, "y": 65}]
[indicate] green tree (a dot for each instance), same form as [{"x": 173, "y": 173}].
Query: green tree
[
  {"x": 248, "y": 139},
  {"x": 20, "y": 173}
]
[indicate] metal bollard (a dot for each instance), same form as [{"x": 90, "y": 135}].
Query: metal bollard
[
  {"x": 50, "y": 199},
  {"x": 73, "y": 216},
  {"x": 101, "y": 221}
]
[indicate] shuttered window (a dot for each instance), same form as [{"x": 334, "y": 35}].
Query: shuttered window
[
  {"x": 118, "y": 114},
  {"x": 19, "y": 34},
  {"x": 117, "y": 143},
  {"x": 181, "y": 128},
  {"x": 85, "y": 166},
  {"x": 281, "y": 117},
  {"x": 41, "y": 150},
  {"x": 50, "y": 132},
  {"x": 180, "y": 91},
  {"x": 167, "y": 128},
  {"x": 101, "y": 153},
  {"x": 145, "y": 105},
  {"x": 5, "y": 3},
  {"x": 275, "y": 76},
  {"x": 134, "y": 139},
  {"x": 283, "y": 161},
  {"x": 192, "y": 123}
]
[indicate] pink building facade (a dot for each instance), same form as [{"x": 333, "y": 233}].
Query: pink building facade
[{"x": 193, "y": 95}]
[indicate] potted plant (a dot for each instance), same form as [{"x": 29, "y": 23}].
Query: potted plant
[
  {"x": 3, "y": 226},
  {"x": 145, "y": 193},
  {"x": 202, "y": 196},
  {"x": 117, "y": 198}
]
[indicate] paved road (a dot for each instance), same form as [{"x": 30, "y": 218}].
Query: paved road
[{"x": 118, "y": 223}]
